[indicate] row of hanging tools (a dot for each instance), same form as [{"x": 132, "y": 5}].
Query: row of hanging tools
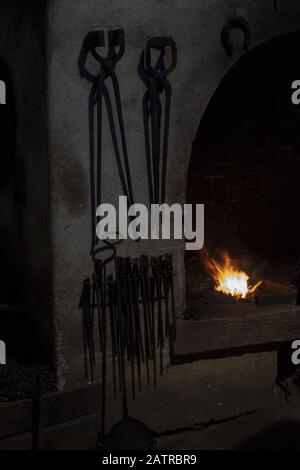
[{"x": 129, "y": 311}]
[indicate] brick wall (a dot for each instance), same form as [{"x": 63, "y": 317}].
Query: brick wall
[{"x": 245, "y": 162}]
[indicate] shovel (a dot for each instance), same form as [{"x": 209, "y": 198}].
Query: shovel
[{"x": 129, "y": 433}]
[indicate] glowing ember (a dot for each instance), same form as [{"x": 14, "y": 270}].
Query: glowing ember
[{"x": 229, "y": 279}]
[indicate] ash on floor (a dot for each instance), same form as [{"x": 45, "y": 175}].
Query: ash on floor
[{"x": 18, "y": 382}]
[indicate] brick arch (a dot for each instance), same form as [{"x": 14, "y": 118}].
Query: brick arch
[{"x": 219, "y": 71}]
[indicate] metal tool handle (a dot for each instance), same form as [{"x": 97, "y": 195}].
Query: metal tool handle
[
  {"x": 158, "y": 43},
  {"x": 96, "y": 39},
  {"x": 116, "y": 38}
]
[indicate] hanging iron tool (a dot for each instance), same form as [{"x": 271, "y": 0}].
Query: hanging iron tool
[
  {"x": 100, "y": 287},
  {"x": 116, "y": 47},
  {"x": 144, "y": 286},
  {"x": 100, "y": 92},
  {"x": 113, "y": 328},
  {"x": 102, "y": 295},
  {"x": 165, "y": 289},
  {"x": 85, "y": 305},
  {"x": 123, "y": 265},
  {"x": 157, "y": 289},
  {"x": 156, "y": 80},
  {"x": 170, "y": 286}
]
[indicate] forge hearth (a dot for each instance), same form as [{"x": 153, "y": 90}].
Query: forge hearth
[
  {"x": 218, "y": 324},
  {"x": 245, "y": 168}
]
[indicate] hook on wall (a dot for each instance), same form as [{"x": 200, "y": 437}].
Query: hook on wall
[{"x": 236, "y": 22}]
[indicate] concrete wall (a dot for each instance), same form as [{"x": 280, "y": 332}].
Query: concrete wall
[{"x": 202, "y": 62}]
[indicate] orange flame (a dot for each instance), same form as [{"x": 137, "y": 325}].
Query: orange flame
[{"x": 229, "y": 279}]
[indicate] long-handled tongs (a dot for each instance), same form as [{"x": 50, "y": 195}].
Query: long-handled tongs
[
  {"x": 155, "y": 78},
  {"x": 94, "y": 41}
]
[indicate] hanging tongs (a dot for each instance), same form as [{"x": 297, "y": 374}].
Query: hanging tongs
[
  {"x": 155, "y": 78},
  {"x": 94, "y": 41}
]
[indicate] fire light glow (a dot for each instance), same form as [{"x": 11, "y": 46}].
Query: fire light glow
[{"x": 228, "y": 278}]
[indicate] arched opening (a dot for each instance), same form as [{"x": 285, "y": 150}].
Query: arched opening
[{"x": 245, "y": 168}]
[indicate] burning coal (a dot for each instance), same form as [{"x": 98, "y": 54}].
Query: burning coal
[{"x": 228, "y": 278}]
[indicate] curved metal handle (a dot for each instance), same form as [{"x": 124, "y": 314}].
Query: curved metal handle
[
  {"x": 96, "y": 39},
  {"x": 116, "y": 39},
  {"x": 159, "y": 43}
]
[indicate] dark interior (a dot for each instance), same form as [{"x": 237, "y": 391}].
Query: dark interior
[{"x": 11, "y": 255}]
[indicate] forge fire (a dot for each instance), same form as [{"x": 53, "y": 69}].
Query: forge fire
[{"x": 228, "y": 278}]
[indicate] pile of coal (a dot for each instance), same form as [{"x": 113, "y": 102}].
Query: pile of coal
[{"x": 18, "y": 381}]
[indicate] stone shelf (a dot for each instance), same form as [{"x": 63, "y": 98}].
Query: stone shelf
[{"x": 233, "y": 326}]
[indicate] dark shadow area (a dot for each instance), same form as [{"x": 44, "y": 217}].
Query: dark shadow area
[
  {"x": 26, "y": 319},
  {"x": 177, "y": 359},
  {"x": 279, "y": 436}
]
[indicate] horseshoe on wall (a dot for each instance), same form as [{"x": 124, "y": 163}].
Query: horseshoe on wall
[{"x": 236, "y": 22}]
